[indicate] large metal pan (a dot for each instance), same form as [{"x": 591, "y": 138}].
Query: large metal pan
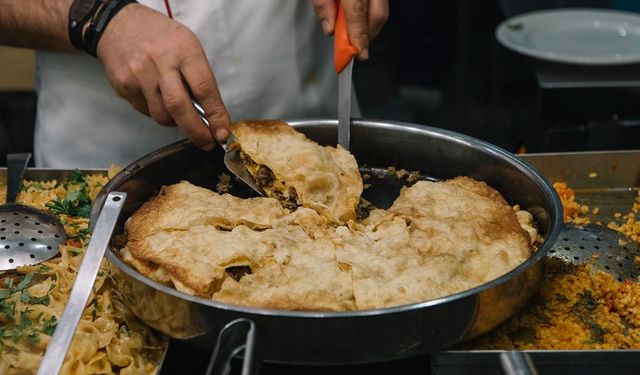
[{"x": 347, "y": 337}]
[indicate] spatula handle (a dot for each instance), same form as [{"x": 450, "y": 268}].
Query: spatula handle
[{"x": 203, "y": 117}]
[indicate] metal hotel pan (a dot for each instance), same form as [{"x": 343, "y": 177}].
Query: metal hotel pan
[{"x": 346, "y": 337}]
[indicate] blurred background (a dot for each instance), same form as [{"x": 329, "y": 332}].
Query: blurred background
[{"x": 437, "y": 63}]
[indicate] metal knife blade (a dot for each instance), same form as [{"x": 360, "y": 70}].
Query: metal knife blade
[{"x": 344, "y": 106}]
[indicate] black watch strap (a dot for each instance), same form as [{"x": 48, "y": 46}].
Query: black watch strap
[
  {"x": 79, "y": 13},
  {"x": 99, "y": 23}
]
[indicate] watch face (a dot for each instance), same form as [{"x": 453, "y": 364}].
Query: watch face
[{"x": 80, "y": 10}]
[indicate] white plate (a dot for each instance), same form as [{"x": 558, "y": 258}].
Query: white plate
[{"x": 577, "y": 36}]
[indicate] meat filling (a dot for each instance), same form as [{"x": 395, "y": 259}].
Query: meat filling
[
  {"x": 266, "y": 180},
  {"x": 264, "y": 177},
  {"x": 236, "y": 272}
]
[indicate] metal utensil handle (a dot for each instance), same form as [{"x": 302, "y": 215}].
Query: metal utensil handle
[
  {"x": 201, "y": 113},
  {"x": 203, "y": 117},
  {"x": 237, "y": 336},
  {"x": 16, "y": 165},
  {"x": 63, "y": 335},
  {"x": 517, "y": 363}
]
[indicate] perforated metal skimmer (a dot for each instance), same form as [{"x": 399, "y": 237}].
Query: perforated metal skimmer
[
  {"x": 27, "y": 235},
  {"x": 605, "y": 249}
]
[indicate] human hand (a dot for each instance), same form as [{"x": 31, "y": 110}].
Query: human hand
[
  {"x": 153, "y": 62},
  {"x": 364, "y": 18}
]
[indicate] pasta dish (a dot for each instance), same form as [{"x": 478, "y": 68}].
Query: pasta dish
[{"x": 108, "y": 339}]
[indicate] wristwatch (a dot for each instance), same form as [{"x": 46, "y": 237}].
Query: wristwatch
[
  {"x": 79, "y": 13},
  {"x": 98, "y": 13}
]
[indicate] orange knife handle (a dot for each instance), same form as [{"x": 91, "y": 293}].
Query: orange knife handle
[{"x": 343, "y": 50}]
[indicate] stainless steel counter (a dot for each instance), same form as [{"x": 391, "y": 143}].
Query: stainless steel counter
[{"x": 610, "y": 181}]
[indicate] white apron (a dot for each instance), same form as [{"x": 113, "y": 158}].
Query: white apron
[{"x": 270, "y": 58}]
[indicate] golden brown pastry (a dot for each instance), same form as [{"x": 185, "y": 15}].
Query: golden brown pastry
[
  {"x": 183, "y": 205},
  {"x": 299, "y": 172},
  {"x": 438, "y": 238}
]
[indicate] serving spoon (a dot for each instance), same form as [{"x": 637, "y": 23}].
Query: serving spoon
[
  {"x": 606, "y": 249},
  {"x": 28, "y": 235}
]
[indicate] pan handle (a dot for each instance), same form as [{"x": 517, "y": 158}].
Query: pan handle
[{"x": 237, "y": 336}]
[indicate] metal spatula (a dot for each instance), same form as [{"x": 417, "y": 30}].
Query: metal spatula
[
  {"x": 231, "y": 158},
  {"x": 27, "y": 235},
  {"x": 343, "y": 55}
]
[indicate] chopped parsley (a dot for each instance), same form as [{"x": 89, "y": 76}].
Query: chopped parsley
[
  {"x": 28, "y": 298},
  {"x": 94, "y": 311},
  {"x": 584, "y": 309},
  {"x": 8, "y": 308},
  {"x": 125, "y": 330},
  {"x": 25, "y": 281},
  {"x": 76, "y": 178},
  {"x": 77, "y": 202},
  {"x": 8, "y": 305},
  {"x": 81, "y": 234},
  {"x": 23, "y": 328}
]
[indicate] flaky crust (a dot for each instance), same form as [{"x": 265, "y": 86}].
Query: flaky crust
[
  {"x": 183, "y": 205},
  {"x": 326, "y": 179},
  {"x": 438, "y": 238}
]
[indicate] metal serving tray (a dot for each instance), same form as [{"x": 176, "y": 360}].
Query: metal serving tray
[
  {"x": 609, "y": 181},
  {"x": 47, "y": 174}
]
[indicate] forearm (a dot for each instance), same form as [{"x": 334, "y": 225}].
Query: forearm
[{"x": 40, "y": 24}]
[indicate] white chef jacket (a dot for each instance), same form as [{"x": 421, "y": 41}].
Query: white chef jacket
[{"x": 270, "y": 58}]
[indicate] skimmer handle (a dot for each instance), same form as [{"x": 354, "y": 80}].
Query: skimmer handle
[
  {"x": 16, "y": 165},
  {"x": 63, "y": 335}
]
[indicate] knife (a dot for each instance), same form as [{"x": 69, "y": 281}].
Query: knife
[{"x": 343, "y": 54}]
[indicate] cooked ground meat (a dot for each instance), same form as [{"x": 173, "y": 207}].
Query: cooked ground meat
[
  {"x": 293, "y": 194},
  {"x": 291, "y": 203},
  {"x": 118, "y": 241},
  {"x": 236, "y": 272},
  {"x": 264, "y": 177},
  {"x": 224, "y": 184},
  {"x": 364, "y": 208}
]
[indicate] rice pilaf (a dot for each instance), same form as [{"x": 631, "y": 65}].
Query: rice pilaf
[{"x": 575, "y": 308}]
